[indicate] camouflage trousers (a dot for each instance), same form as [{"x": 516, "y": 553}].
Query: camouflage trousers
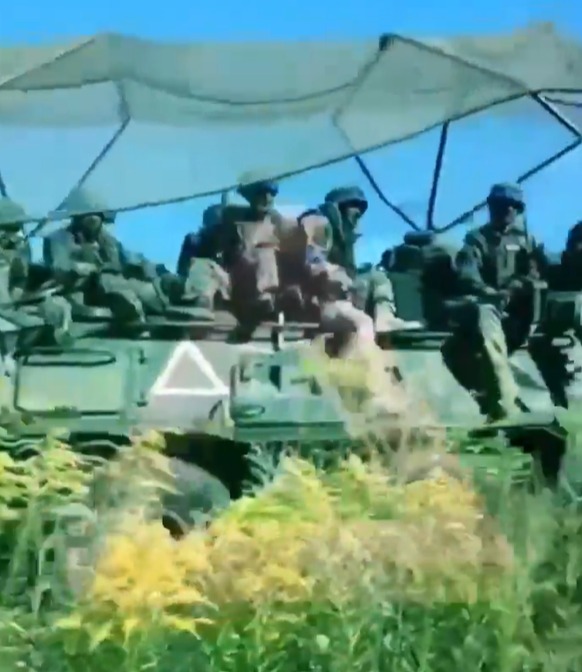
[
  {"x": 558, "y": 347},
  {"x": 348, "y": 325},
  {"x": 57, "y": 314},
  {"x": 206, "y": 279},
  {"x": 54, "y": 312},
  {"x": 373, "y": 293},
  {"x": 478, "y": 355},
  {"x": 355, "y": 310},
  {"x": 256, "y": 273},
  {"x": 128, "y": 298}
]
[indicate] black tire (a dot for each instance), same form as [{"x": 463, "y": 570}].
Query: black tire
[{"x": 199, "y": 495}]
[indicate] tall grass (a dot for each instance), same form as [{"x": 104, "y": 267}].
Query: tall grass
[{"x": 403, "y": 565}]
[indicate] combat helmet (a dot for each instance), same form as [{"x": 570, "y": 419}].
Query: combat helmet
[
  {"x": 347, "y": 196},
  {"x": 12, "y": 215},
  {"x": 82, "y": 202},
  {"x": 249, "y": 185},
  {"x": 574, "y": 236},
  {"x": 507, "y": 191}
]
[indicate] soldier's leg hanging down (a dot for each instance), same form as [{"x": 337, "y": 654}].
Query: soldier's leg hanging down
[{"x": 477, "y": 356}]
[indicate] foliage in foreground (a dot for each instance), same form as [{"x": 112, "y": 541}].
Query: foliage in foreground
[{"x": 359, "y": 568}]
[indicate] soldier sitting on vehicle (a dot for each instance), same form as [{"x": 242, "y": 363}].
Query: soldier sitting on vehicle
[
  {"x": 245, "y": 241},
  {"x": 562, "y": 320},
  {"x": 570, "y": 269},
  {"x": 331, "y": 234},
  {"x": 498, "y": 268},
  {"x": 18, "y": 280},
  {"x": 96, "y": 270},
  {"x": 351, "y": 306},
  {"x": 201, "y": 260}
]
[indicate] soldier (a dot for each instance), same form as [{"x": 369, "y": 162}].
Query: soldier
[
  {"x": 16, "y": 281},
  {"x": 570, "y": 271},
  {"x": 331, "y": 231},
  {"x": 94, "y": 267},
  {"x": 252, "y": 241},
  {"x": 245, "y": 241},
  {"x": 497, "y": 267},
  {"x": 562, "y": 323},
  {"x": 201, "y": 261}
]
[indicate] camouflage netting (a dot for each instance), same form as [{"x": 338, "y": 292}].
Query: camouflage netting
[{"x": 146, "y": 122}]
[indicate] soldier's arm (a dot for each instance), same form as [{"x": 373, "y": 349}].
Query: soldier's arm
[
  {"x": 20, "y": 270},
  {"x": 188, "y": 251},
  {"x": 59, "y": 256},
  {"x": 210, "y": 240},
  {"x": 318, "y": 234},
  {"x": 540, "y": 262},
  {"x": 468, "y": 264}
]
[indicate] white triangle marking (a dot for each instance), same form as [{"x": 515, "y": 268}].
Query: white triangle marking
[{"x": 188, "y": 349}]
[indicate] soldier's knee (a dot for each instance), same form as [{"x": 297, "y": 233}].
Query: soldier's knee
[
  {"x": 56, "y": 311},
  {"x": 488, "y": 320}
]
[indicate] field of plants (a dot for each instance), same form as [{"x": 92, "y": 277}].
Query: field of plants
[{"x": 369, "y": 566}]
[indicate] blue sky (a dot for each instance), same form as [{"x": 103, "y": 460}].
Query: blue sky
[{"x": 481, "y": 150}]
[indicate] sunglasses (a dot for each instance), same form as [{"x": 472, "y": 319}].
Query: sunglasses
[{"x": 508, "y": 203}]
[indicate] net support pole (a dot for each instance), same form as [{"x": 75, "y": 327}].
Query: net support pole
[{"x": 436, "y": 176}]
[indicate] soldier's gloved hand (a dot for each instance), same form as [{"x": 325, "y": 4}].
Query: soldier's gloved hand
[
  {"x": 516, "y": 284},
  {"x": 497, "y": 297}
]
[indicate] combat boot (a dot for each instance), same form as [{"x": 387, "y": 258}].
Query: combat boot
[
  {"x": 499, "y": 394},
  {"x": 384, "y": 317}
]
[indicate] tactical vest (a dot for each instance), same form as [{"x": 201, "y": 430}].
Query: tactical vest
[
  {"x": 343, "y": 240},
  {"x": 103, "y": 250},
  {"x": 240, "y": 233},
  {"x": 504, "y": 256}
]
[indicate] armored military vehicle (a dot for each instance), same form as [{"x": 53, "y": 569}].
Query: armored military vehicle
[{"x": 310, "y": 104}]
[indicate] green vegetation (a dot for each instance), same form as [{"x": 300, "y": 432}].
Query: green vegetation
[{"x": 365, "y": 567}]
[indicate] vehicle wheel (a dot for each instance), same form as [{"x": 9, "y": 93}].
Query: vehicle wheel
[{"x": 199, "y": 495}]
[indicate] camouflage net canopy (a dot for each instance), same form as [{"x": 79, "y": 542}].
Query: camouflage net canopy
[{"x": 143, "y": 123}]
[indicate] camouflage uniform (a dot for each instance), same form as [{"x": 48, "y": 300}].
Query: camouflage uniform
[
  {"x": 496, "y": 267},
  {"x": 563, "y": 320},
  {"x": 252, "y": 248},
  {"x": 15, "y": 277},
  {"x": 94, "y": 268},
  {"x": 201, "y": 261},
  {"x": 331, "y": 234},
  {"x": 245, "y": 242}
]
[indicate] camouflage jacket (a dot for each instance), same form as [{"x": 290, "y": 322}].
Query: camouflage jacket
[
  {"x": 228, "y": 231},
  {"x": 569, "y": 272},
  {"x": 339, "y": 241},
  {"x": 65, "y": 248},
  {"x": 15, "y": 261},
  {"x": 492, "y": 259}
]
